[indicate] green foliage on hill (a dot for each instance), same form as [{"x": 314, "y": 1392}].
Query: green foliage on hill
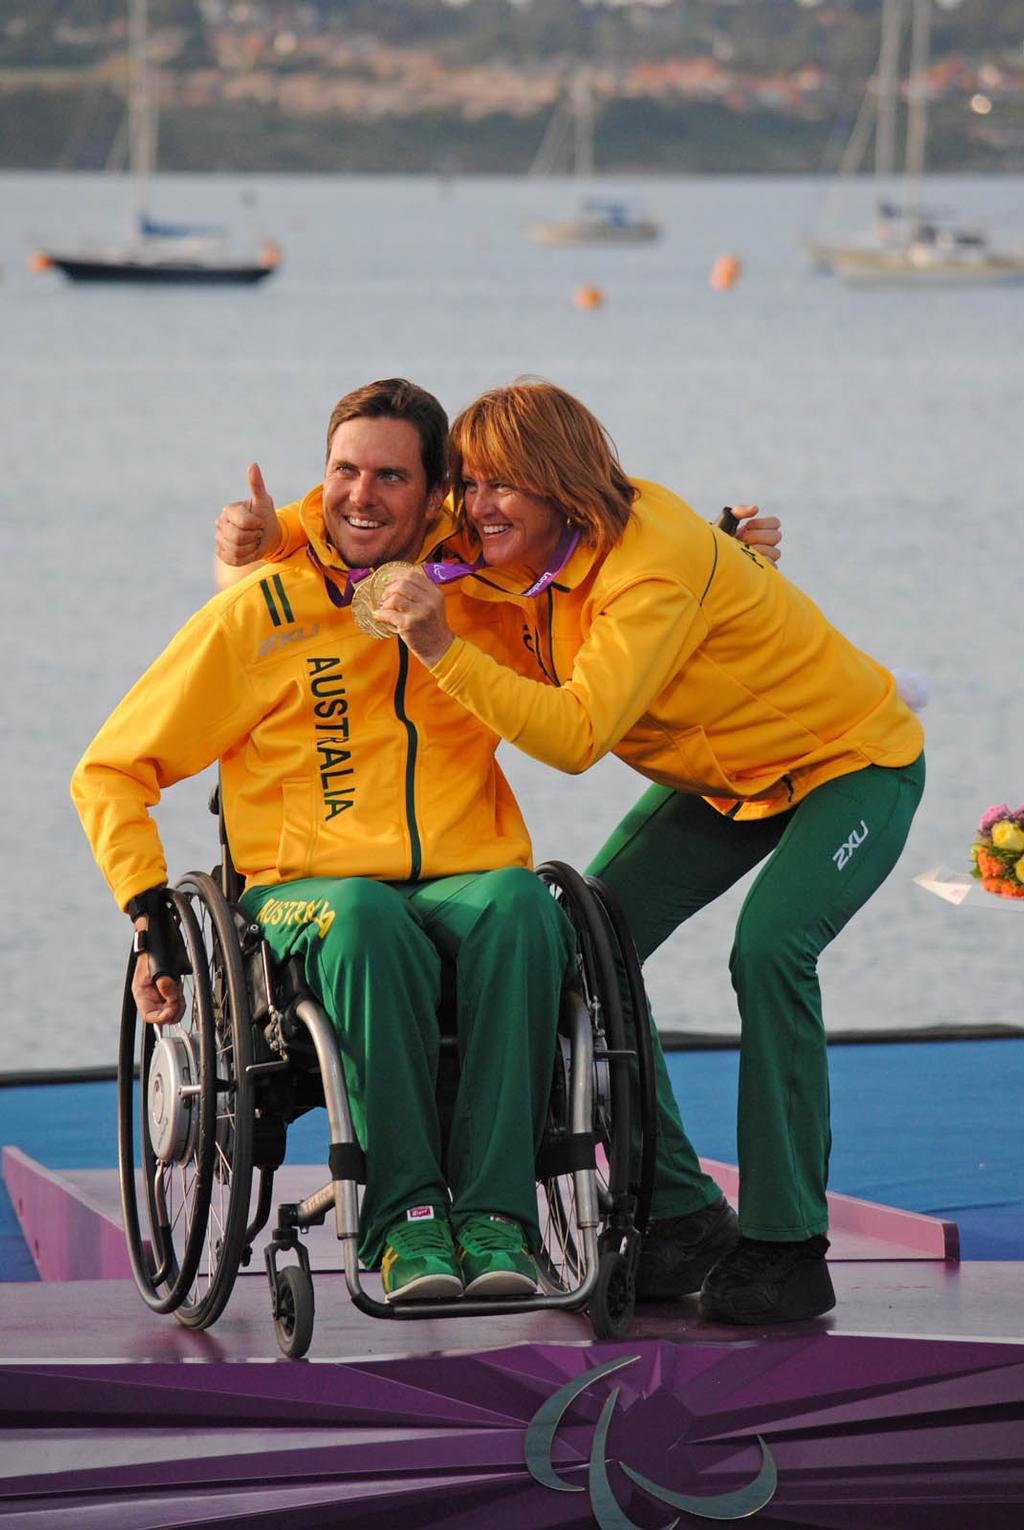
[
  {"x": 58, "y": 106},
  {"x": 841, "y": 35}
]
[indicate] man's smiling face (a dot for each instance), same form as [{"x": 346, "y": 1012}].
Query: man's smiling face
[{"x": 376, "y": 502}]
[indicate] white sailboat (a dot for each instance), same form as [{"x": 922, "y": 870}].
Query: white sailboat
[
  {"x": 599, "y": 220},
  {"x": 910, "y": 243},
  {"x": 155, "y": 252}
]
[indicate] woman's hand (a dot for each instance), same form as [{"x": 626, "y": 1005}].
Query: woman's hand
[
  {"x": 761, "y": 532},
  {"x": 415, "y": 608},
  {"x": 247, "y": 529}
]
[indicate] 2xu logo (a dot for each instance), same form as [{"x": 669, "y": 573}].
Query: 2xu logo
[
  {"x": 842, "y": 855},
  {"x": 608, "y": 1514},
  {"x": 290, "y": 635}
]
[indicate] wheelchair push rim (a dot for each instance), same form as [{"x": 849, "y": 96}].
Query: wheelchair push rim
[
  {"x": 233, "y": 1123},
  {"x": 645, "y": 1104},
  {"x": 565, "y": 1255},
  {"x": 176, "y": 1103}
]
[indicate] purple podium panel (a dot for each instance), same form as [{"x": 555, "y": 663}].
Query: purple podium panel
[{"x": 836, "y": 1433}]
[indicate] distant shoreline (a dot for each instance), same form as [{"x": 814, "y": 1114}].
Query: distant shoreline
[{"x": 73, "y": 129}]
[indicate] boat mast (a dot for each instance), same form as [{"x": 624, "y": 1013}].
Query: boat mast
[
  {"x": 876, "y": 119},
  {"x": 888, "y": 92},
  {"x": 571, "y": 121},
  {"x": 917, "y": 106},
  {"x": 583, "y": 122},
  {"x": 141, "y": 123}
]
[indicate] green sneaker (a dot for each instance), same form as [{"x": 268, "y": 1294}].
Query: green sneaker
[
  {"x": 419, "y": 1260},
  {"x": 494, "y": 1257}
]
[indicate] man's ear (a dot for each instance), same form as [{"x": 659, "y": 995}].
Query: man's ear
[{"x": 435, "y": 499}]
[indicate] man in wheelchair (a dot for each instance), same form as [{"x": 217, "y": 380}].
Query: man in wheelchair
[{"x": 378, "y": 839}]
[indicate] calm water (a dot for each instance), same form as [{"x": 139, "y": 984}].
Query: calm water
[{"x": 884, "y": 427}]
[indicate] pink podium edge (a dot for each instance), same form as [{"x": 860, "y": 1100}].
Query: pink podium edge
[
  {"x": 68, "y": 1235},
  {"x": 910, "y": 1234},
  {"x": 72, "y": 1236}
]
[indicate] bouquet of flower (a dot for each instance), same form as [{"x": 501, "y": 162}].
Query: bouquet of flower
[{"x": 997, "y": 854}]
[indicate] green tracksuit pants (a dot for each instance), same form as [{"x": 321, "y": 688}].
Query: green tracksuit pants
[
  {"x": 673, "y": 854},
  {"x": 373, "y": 954}
]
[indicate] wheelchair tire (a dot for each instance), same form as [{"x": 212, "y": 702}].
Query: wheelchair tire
[
  {"x": 645, "y": 1103},
  {"x": 231, "y": 1127},
  {"x": 613, "y": 1301},
  {"x": 296, "y": 1311},
  {"x": 178, "y": 1184},
  {"x": 561, "y": 1260}
]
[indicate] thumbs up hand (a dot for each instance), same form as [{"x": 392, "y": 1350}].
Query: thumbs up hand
[{"x": 247, "y": 529}]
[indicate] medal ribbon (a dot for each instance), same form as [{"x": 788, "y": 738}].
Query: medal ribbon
[{"x": 445, "y": 573}]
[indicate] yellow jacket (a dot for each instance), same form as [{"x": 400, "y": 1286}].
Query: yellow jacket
[
  {"x": 681, "y": 652},
  {"x": 339, "y": 757}
]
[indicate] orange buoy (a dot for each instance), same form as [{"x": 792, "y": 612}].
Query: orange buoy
[
  {"x": 39, "y": 261},
  {"x": 588, "y": 297},
  {"x": 725, "y": 272}
]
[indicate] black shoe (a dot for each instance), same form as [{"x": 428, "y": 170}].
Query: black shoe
[
  {"x": 677, "y": 1253},
  {"x": 769, "y": 1283}
]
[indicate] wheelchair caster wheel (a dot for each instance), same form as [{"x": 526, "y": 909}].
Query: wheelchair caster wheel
[
  {"x": 295, "y": 1311},
  {"x": 611, "y": 1306}
]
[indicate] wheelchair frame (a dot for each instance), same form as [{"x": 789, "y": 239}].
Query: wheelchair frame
[{"x": 254, "y": 1050}]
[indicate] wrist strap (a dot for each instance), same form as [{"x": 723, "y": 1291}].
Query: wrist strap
[{"x": 163, "y": 941}]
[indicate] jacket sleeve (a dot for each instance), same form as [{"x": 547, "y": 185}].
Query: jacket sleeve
[
  {"x": 293, "y": 533},
  {"x": 187, "y": 710},
  {"x": 642, "y": 635}
]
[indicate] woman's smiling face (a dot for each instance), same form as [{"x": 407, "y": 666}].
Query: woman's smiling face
[{"x": 514, "y": 526}]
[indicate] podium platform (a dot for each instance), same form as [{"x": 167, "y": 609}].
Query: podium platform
[{"x": 902, "y": 1408}]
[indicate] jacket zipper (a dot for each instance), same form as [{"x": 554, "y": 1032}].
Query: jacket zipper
[
  {"x": 415, "y": 848},
  {"x": 551, "y": 637}
]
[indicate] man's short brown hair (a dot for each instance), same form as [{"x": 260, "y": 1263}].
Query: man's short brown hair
[{"x": 395, "y": 398}]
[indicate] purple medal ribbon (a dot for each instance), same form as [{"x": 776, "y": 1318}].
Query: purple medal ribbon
[
  {"x": 445, "y": 573},
  {"x": 353, "y": 576},
  {"x": 564, "y": 549}
]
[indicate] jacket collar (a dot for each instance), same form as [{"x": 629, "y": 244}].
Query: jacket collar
[{"x": 517, "y": 578}]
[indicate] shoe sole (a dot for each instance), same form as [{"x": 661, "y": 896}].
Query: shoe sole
[
  {"x": 810, "y": 1296},
  {"x": 427, "y": 1288},
  {"x": 502, "y": 1283}
]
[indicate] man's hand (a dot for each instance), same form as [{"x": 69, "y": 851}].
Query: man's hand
[
  {"x": 761, "y": 532},
  {"x": 248, "y": 529},
  {"x": 159, "y": 1003},
  {"x": 415, "y": 608}
]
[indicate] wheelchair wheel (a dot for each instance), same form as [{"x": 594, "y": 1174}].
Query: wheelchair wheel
[
  {"x": 178, "y": 1101},
  {"x": 232, "y": 1123},
  {"x": 293, "y": 1321},
  {"x": 645, "y": 1100},
  {"x": 614, "y": 1298},
  {"x": 562, "y": 1258}
]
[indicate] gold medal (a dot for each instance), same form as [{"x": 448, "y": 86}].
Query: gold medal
[{"x": 369, "y": 593}]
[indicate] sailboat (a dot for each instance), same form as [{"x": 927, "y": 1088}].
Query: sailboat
[
  {"x": 599, "y": 220},
  {"x": 155, "y": 251},
  {"x": 910, "y": 244}
]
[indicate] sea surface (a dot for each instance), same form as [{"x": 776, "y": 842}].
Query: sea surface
[{"x": 886, "y": 428}]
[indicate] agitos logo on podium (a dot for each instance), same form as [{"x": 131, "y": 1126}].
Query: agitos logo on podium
[{"x": 608, "y": 1513}]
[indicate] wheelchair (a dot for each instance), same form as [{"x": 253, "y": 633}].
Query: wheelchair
[{"x": 205, "y": 1128}]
